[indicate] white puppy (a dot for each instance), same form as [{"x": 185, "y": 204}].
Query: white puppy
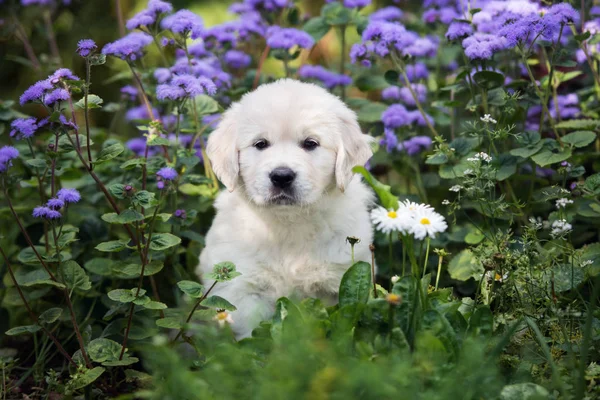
[{"x": 285, "y": 153}]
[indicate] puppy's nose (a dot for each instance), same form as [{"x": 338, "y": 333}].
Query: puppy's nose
[{"x": 282, "y": 177}]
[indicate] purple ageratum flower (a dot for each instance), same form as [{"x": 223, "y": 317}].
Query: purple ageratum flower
[
  {"x": 197, "y": 49},
  {"x": 55, "y": 204},
  {"x": 267, "y": 5},
  {"x": 415, "y": 117},
  {"x": 36, "y": 91},
  {"x": 564, "y": 13},
  {"x": 395, "y": 116},
  {"x": 415, "y": 145},
  {"x": 406, "y": 97},
  {"x": 162, "y": 75},
  {"x": 237, "y": 59},
  {"x": 182, "y": 86},
  {"x": 62, "y": 74},
  {"x": 69, "y": 195},
  {"x": 180, "y": 214},
  {"x": 139, "y": 112},
  {"x": 23, "y": 128},
  {"x": 56, "y": 96},
  {"x": 85, "y": 47},
  {"x": 420, "y": 47},
  {"x": 7, "y": 154},
  {"x": 129, "y": 92},
  {"x": 458, "y": 30},
  {"x": 518, "y": 29},
  {"x": 417, "y": 71},
  {"x": 567, "y": 105},
  {"x": 137, "y": 145},
  {"x": 129, "y": 47},
  {"x": 286, "y": 38},
  {"x": 224, "y": 35},
  {"x": 389, "y": 140},
  {"x": 391, "y": 93},
  {"x": 167, "y": 174},
  {"x": 353, "y": 3},
  {"x": 184, "y": 22},
  {"x": 482, "y": 46},
  {"x": 149, "y": 15},
  {"x": 46, "y": 212},
  {"x": 211, "y": 119},
  {"x": 390, "y": 13},
  {"x": 328, "y": 78}
]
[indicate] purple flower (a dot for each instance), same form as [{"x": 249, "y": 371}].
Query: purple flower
[
  {"x": 69, "y": 195},
  {"x": 198, "y": 49},
  {"x": 266, "y": 5},
  {"x": 395, "y": 116},
  {"x": 353, "y": 3},
  {"x": 85, "y": 47},
  {"x": 567, "y": 106},
  {"x": 391, "y": 93},
  {"x": 184, "y": 22},
  {"x": 210, "y": 119},
  {"x": 180, "y": 214},
  {"x": 415, "y": 145},
  {"x": 328, "y": 78},
  {"x": 482, "y": 46},
  {"x": 390, "y": 13},
  {"x": 167, "y": 173},
  {"x": 420, "y": 47},
  {"x": 56, "y": 96},
  {"x": 62, "y": 73},
  {"x": 41, "y": 212},
  {"x": 458, "y": 30},
  {"x": 416, "y": 72},
  {"x": 518, "y": 29},
  {"x": 143, "y": 18},
  {"x": 129, "y": 47},
  {"x": 221, "y": 36},
  {"x": 237, "y": 59},
  {"x": 7, "y": 154},
  {"x": 129, "y": 92},
  {"x": 35, "y": 92},
  {"x": 186, "y": 85},
  {"x": 139, "y": 112},
  {"x": 55, "y": 204},
  {"x": 389, "y": 140},
  {"x": 564, "y": 13},
  {"x": 23, "y": 128},
  {"x": 406, "y": 97},
  {"x": 286, "y": 38},
  {"x": 162, "y": 75},
  {"x": 137, "y": 145}
]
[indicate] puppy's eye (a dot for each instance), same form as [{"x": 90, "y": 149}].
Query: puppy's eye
[
  {"x": 261, "y": 144},
  {"x": 310, "y": 144}
]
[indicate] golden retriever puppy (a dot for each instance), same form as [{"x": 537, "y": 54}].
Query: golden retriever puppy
[{"x": 285, "y": 152}]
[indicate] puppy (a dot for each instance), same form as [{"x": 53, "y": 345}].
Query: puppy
[{"x": 285, "y": 152}]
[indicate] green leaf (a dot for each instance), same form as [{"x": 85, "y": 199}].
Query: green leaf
[
  {"x": 527, "y": 151},
  {"x": 37, "y": 163},
  {"x": 108, "y": 153},
  {"x": 97, "y": 59},
  {"x": 111, "y": 246},
  {"x": 317, "y": 28},
  {"x": 93, "y": 102},
  {"x": 579, "y": 138},
  {"x": 125, "y": 295},
  {"x": 551, "y": 156},
  {"x": 50, "y": 315},
  {"x": 154, "y": 305},
  {"x": 577, "y": 124},
  {"x": 135, "y": 269},
  {"x": 336, "y": 14},
  {"x": 134, "y": 162},
  {"x": 371, "y": 112},
  {"x": 564, "y": 277},
  {"x": 163, "y": 241},
  {"x": 158, "y": 141},
  {"x": 190, "y": 189},
  {"x": 437, "y": 159},
  {"x": 392, "y": 77},
  {"x": 506, "y": 166},
  {"x": 224, "y": 271},
  {"x": 99, "y": 266},
  {"x": 85, "y": 378},
  {"x": 592, "y": 183},
  {"x": 20, "y": 330},
  {"x": 126, "y": 217},
  {"x": 408, "y": 312},
  {"x": 28, "y": 256},
  {"x": 388, "y": 200},
  {"x": 206, "y": 105},
  {"x": 465, "y": 266},
  {"x": 218, "y": 303},
  {"x": 103, "y": 349},
  {"x": 437, "y": 324},
  {"x": 117, "y": 190},
  {"x": 169, "y": 322},
  {"x": 355, "y": 284},
  {"x": 524, "y": 391},
  {"x": 127, "y": 360},
  {"x": 488, "y": 79},
  {"x": 191, "y": 288},
  {"x": 144, "y": 199},
  {"x": 74, "y": 276},
  {"x": 481, "y": 322},
  {"x": 528, "y": 138}
]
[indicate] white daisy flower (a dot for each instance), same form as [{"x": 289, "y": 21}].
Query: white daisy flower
[
  {"x": 455, "y": 188},
  {"x": 223, "y": 318},
  {"x": 562, "y": 203},
  {"x": 560, "y": 227},
  {"x": 427, "y": 223},
  {"x": 413, "y": 207},
  {"x": 387, "y": 221},
  {"x": 487, "y": 118}
]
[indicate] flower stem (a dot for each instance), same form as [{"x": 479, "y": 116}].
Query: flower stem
[
  {"x": 391, "y": 255},
  {"x": 372, "y": 248},
  {"x": 426, "y": 258},
  {"x": 189, "y": 317},
  {"x": 439, "y": 271},
  {"x": 86, "y": 91},
  {"x": 263, "y": 58},
  {"x": 51, "y": 37},
  {"x": 121, "y": 21}
]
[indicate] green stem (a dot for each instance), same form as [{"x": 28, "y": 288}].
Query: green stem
[
  {"x": 439, "y": 272},
  {"x": 343, "y": 59},
  {"x": 426, "y": 257},
  {"x": 391, "y": 255}
]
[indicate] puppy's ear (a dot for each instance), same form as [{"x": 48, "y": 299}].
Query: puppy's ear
[
  {"x": 354, "y": 149},
  {"x": 222, "y": 149}
]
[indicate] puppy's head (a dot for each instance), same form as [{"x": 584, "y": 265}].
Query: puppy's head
[{"x": 287, "y": 143}]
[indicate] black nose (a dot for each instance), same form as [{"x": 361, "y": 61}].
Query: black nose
[{"x": 282, "y": 177}]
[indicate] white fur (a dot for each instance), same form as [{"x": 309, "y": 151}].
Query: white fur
[{"x": 298, "y": 249}]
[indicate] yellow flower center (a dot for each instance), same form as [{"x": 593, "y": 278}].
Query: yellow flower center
[
  {"x": 222, "y": 316},
  {"x": 392, "y": 214},
  {"x": 425, "y": 221},
  {"x": 498, "y": 277}
]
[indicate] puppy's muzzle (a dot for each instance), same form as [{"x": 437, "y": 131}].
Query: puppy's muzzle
[{"x": 282, "y": 177}]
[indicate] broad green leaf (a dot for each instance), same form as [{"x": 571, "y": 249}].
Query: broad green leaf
[
  {"x": 579, "y": 138},
  {"x": 465, "y": 266},
  {"x": 218, "y": 303},
  {"x": 591, "y": 252},
  {"x": 134, "y": 162},
  {"x": 528, "y": 138},
  {"x": 371, "y": 112},
  {"x": 135, "y": 269},
  {"x": 355, "y": 284},
  {"x": 317, "y": 28},
  {"x": 481, "y": 322},
  {"x": 127, "y": 360},
  {"x": 158, "y": 141},
  {"x": 93, "y": 102},
  {"x": 564, "y": 277},
  {"x": 206, "y": 105},
  {"x": 144, "y": 199},
  {"x": 506, "y": 166},
  {"x": 169, "y": 322},
  {"x": 163, "y": 241},
  {"x": 117, "y": 190},
  {"x": 437, "y": 159},
  {"x": 154, "y": 305},
  {"x": 20, "y": 330},
  {"x": 37, "y": 163},
  {"x": 191, "y": 288},
  {"x": 488, "y": 79},
  {"x": 551, "y": 156},
  {"x": 103, "y": 349},
  {"x": 388, "y": 200},
  {"x": 190, "y": 189},
  {"x": 528, "y": 150},
  {"x": 125, "y": 295},
  {"x": 437, "y": 324},
  {"x": 111, "y": 246},
  {"x": 224, "y": 271},
  {"x": 99, "y": 266},
  {"x": 110, "y": 152},
  {"x": 126, "y": 217},
  {"x": 85, "y": 378},
  {"x": 28, "y": 256},
  {"x": 50, "y": 315},
  {"x": 578, "y": 124},
  {"x": 336, "y": 14},
  {"x": 408, "y": 312},
  {"x": 524, "y": 391},
  {"x": 592, "y": 183},
  {"x": 74, "y": 276}
]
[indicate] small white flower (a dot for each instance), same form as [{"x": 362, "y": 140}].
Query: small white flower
[
  {"x": 496, "y": 276},
  {"x": 395, "y": 278},
  {"x": 487, "y": 118},
  {"x": 586, "y": 263},
  {"x": 223, "y": 318},
  {"x": 468, "y": 171},
  {"x": 386, "y": 221},
  {"x": 560, "y": 227},
  {"x": 562, "y": 203},
  {"x": 427, "y": 223},
  {"x": 481, "y": 156},
  {"x": 537, "y": 225},
  {"x": 446, "y": 202},
  {"x": 455, "y": 188}
]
